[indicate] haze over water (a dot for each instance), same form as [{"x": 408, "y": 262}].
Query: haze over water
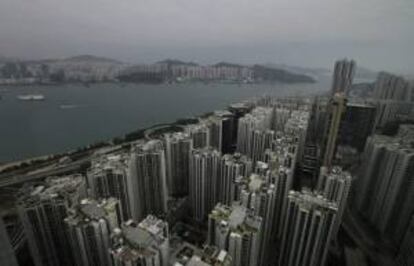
[{"x": 75, "y": 115}]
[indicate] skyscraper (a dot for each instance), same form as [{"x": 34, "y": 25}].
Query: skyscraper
[
  {"x": 385, "y": 187},
  {"x": 232, "y": 167},
  {"x": 215, "y": 126},
  {"x": 335, "y": 184},
  {"x": 393, "y": 98},
  {"x": 336, "y": 109},
  {"x": 178, "y": 148},
  {"x": 360, "y": 117},
  {"x": 204, "y": 181},
  {"x": 89, "y": 226},
  {"x": 42, "y": 210},
  {"x": 146, "y": 243},
  {"x": 258, "y": 194},
  {"x": 307, "y": 230},
  {"x": 228, "y": 141},
  {"x": 343, "y": 76},
  {"x": 149, "y": 182},
  {"x": 109, "y": 177},
  {"x": 237, "y": 230},
  {"x": 200, "y": 134}
]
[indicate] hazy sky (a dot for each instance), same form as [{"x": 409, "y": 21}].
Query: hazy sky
[{"x": 377, "y": 33}]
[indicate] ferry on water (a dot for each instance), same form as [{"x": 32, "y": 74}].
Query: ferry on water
[{"x": 31, "y": 97}]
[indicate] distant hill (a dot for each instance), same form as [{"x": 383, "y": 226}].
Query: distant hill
[
  {"x": 265, "y": 73},
  {"x": 226, "y": 64},
  {"x": 91, "y": 59},
  {"x": 172, "y": 62}
]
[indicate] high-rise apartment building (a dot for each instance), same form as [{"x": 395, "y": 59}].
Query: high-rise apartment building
[
  {"x": 335, "y": 184},
  {"x": 357, "y": 124},
  {"x": 232, "y": 167},
  {"x": 228, "y": 141},
  {"x": 237, "y": 230},
  {"x": 109, "y": 177},
  {"x": 178, "y": 148},
  {"x": 343, "y": 76},
  {"x": 336, "y": 109},
  {"x": 42, "y": 210},
  {"x": 393, "y": 98},
  {"x": 89, "y": 227},
  {"x": 259, "y": 195},
  {"x": 307, "y": 229},
  {"x": 204, "y": 181},
  {"x": 200, "y": 133},
  {"x": 149, "y": 181},
  {"x": 385, "y": 187},
  {"x": 146, "y": 243}
]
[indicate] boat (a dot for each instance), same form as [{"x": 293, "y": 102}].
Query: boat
[{"x": 31, "y": 97}]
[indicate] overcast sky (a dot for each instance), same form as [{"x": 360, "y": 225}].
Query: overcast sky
[{"x": 377, "y": 33}]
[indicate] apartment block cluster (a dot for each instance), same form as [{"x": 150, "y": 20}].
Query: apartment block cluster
[
  {"x": 266, "y": 182},
  {"x": 347, "y": 131}
]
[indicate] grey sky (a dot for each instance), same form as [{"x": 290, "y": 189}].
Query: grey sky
[{"x": 377, "y": 33}]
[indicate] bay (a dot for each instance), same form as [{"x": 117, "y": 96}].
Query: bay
[{"x": 74, "y": 115}]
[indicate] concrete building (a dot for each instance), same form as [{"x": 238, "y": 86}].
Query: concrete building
[
  {"x": 258, "y": 194},
  {"x": 393, "y": 98},
  {"x": 237, "y": 230},
  {"x": 357, "y": 124},
  {"x": 232, "y": 167},
  {"x": 42, "y": 210},
  {"x": 178, "y": 148},
  {"x": 149, "y": 181},
  {"x": 343, "y": 76},
  {"x": 228, "y": 142},
  {"x": 385, "y": 188},
  {"x": 200, "y": 134},
  {"x": 146, "y": 243},
  {"x": 336, "y": 110},
  {"x": 109, "y": 177},
  {"x": 189, "y": 255},
  {"x": 204, "y": 181},
  {"x": 89, "y": 227},
  {"x": 335, "y": 184},
  {"x": 391, "y": 87},
  {"x": 307, "y": 229},
  {"x": 215, "y": 127}
]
